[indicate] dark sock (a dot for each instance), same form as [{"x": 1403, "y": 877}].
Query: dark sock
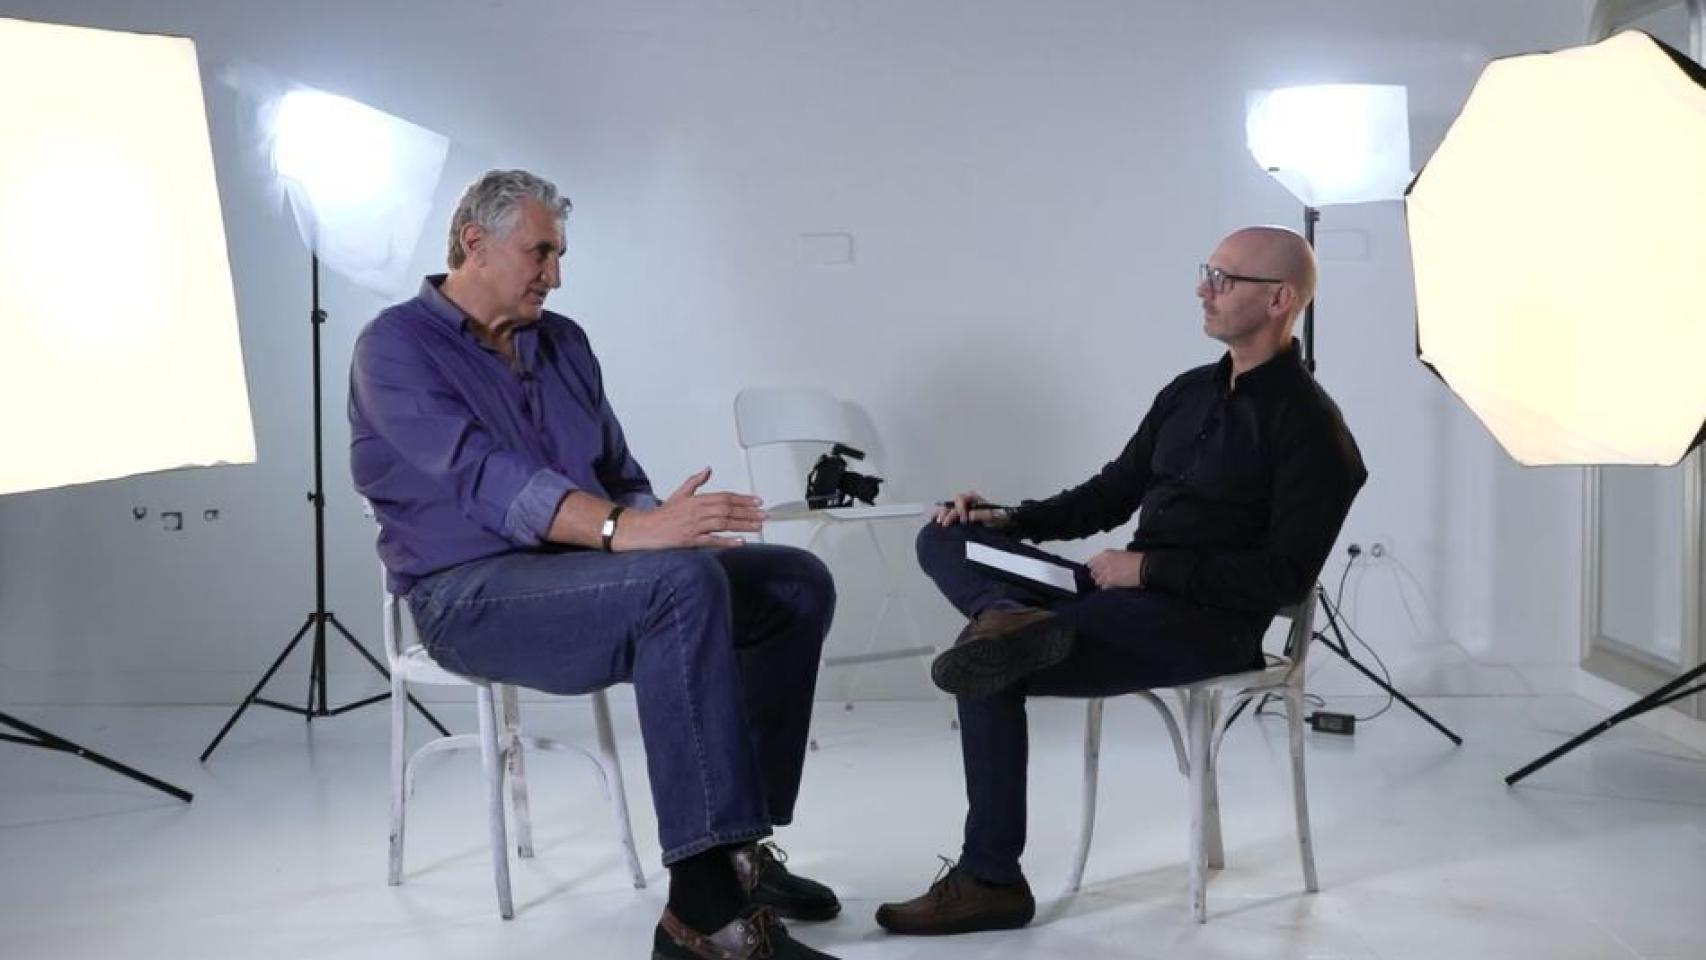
[{"x": 704, "y": 892}]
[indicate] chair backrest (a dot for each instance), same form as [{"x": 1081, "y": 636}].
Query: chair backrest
[
  {"x": 396, "y": 626},
  {"x": 1297, "y": 640},
  {"x": 766, "y": 415}
]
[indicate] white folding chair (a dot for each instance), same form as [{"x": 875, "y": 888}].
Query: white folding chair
[
  {"x": 803, "y": 417},
  {"x": 1206, "y": 708},
  {"x": 501, "y": 746}
]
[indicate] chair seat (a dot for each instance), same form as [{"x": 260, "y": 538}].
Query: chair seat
[
  {"x": 1270, "y": 677},
  {"x": 418, "y": 666}
]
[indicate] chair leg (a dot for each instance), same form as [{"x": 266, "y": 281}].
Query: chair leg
[
  {"x": 610, "y": 771},
  {"x": 399, "y": 760},
  {"x": 1198, "y": 730},
  {"x": 1300, "y": 793},
  {"x": 514, "y": 753},
  {"x": 1087, "y": 816},
  {"x": 1216, "y": 849},
  {"x": 893, "y": 589},
  {"x": 492, "y": 762}
]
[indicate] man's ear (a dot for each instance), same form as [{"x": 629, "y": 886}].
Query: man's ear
[
  {"x": 473, "y": 240},
  {"x": 1283, "y": 299}
]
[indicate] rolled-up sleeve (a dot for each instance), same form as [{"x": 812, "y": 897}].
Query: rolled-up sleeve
[{"x": 409, "y": 405}]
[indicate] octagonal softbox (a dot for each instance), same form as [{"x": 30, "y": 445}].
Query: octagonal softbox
[{"x": 1555, "y": 238}]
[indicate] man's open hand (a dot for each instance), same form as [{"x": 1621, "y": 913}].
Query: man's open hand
[{"x": 690, "y": 519}]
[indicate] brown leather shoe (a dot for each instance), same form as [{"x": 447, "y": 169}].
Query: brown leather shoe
[
  {"x": 754, "y": 935},
  {"x": 957, "y": 903},
  {"x": 1000, "y": 647}
]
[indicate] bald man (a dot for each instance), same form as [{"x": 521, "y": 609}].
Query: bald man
[{"x": 1244, "y": 471}]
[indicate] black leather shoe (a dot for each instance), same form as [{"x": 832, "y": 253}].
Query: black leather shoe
[
  {"x": 760, "y": 869},
  {"x": 754, "y": 935},
  {"x": 999, "y": 648},
  {"x": 957, "y": 903}
]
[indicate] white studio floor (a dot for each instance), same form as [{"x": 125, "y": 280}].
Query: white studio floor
[{"x": 1423, "y": 851}]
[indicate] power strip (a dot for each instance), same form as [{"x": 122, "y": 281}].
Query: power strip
[{"x": 1325, "y": 721}]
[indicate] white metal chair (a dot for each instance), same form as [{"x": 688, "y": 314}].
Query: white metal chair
[
  {"x": 801, "y": 417},
  {"x": 1206, "y": 708},
  {"x": 501, "y": 746}
]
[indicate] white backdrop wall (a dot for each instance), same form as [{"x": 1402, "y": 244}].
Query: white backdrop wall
[{"x": 1028, "y": 188}]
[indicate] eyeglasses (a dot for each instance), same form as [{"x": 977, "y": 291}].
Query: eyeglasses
[{"x": 1219, "y": 281}]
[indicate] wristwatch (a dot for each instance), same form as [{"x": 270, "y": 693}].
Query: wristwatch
[{"x": 608, "y": 531}]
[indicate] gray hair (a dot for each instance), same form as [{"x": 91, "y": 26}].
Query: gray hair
[{"x": 494, "y": 201}]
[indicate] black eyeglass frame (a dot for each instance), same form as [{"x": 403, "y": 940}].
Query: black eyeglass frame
[{"x": 1220, "y": 281}]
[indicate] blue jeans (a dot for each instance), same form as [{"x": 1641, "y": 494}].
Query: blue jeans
[
  {"x": 1125, "y": 640},
  {"x": 722, "y": 647}
]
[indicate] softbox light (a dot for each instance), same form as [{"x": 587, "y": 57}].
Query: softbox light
[
  {"x": 1560, "y": 289},
  {"x": 119, "y": 348},
  {"x": 359, "y": 181},
  {"x": 1332, "y": 143}
]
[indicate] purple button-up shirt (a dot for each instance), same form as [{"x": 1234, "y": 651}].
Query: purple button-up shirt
[{"x": 463, "y": 456}]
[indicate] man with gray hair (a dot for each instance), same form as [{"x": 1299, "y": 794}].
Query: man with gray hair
[{"x": 532, "y": 551}]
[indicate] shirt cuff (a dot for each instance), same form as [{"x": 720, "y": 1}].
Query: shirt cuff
[
  {"x": 1169, "y": 571},
  {"x": 528, "y": 520}
]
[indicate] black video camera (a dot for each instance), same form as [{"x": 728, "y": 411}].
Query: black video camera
[{"x": 831, "y": 484}]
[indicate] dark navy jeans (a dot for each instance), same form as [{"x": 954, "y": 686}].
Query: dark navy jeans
[
  {"x": 1125, "y": 640},
  {"x": 722, "y": 647}
]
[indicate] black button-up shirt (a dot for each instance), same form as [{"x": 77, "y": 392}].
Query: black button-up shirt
[{"x": 1243, "y": 487}]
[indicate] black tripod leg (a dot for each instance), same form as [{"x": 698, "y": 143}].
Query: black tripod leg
[
  {"x": 1395, "y": 693},
  {"x": 316, "y": 669},
  {"x": 333, "y": 620},
  {"x": 1345, "y": 654},
  {"x": 47, "y": 741},
  {"x": 256, "y": 692},
  {"x": 1658, "y": 698}
]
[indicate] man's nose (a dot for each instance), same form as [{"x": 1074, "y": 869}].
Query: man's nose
[{"x": 554, "y": 273}]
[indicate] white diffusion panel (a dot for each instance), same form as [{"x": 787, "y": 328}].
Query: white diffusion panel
[{"x": 119, "y": 348}]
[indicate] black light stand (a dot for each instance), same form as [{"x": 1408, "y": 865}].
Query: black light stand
[
  {"x": 318, "y": 618},
  {"x": 1668, "y": 693},
  {"x": 1310, "y": 216},
  {"x": 1337, "y": 643},
  {"x": 37, "y": 737}
]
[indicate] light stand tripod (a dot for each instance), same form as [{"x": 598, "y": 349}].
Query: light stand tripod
[
  {"x": 1337, "y": 642},
  {"x": 318, "y": 618},
  {"x": 37, "y": 737},
  {"x": 1674, "y": 690}
]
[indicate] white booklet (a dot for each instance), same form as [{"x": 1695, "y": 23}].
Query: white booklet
[{"x": 1048, "y": 574}]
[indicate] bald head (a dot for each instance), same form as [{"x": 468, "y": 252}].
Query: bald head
[{"x": 1275, "y": 252}]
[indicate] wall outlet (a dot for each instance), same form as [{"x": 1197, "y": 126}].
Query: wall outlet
[{"x": 1372, "y": 549}]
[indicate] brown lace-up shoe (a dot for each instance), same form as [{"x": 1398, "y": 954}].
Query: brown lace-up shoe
[
  {"x": 957, "y": 903},
  {"x": 754, "y": 935},
  {"x": 998, "y": 648}
]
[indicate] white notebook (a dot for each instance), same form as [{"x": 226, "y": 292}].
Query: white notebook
[{"x": 1043, "y": 572}]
